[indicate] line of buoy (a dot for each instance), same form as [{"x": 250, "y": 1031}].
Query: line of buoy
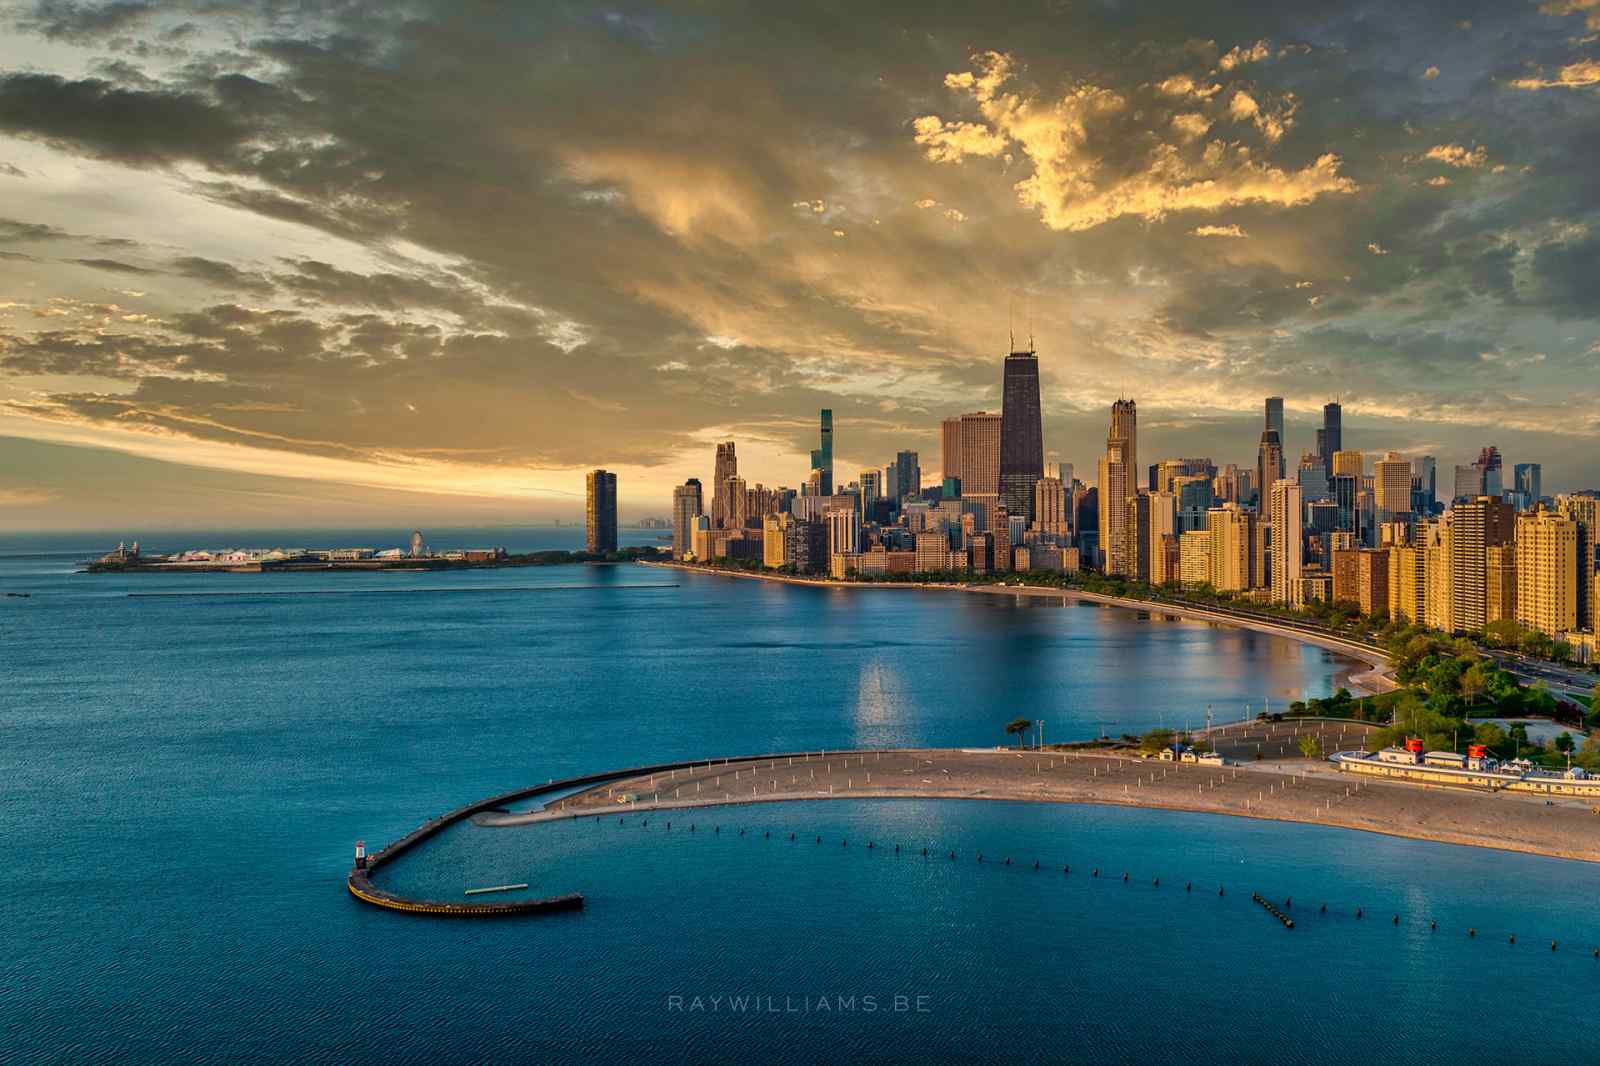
[
  {"x": 1288, "y": 922},
  {"x": 1188, "y": 886}
]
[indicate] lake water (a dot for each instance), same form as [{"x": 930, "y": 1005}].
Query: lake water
[{"x": 185, "y": 774}]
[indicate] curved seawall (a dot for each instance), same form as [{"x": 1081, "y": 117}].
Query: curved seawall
[{"x": 360, "y": 882}]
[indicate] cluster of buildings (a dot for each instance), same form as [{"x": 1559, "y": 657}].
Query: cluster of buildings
[
  {"x": 127, "y": 555},
  {"x": 1476, "y": 769},
  {"x": 997, "y": 507},
  {"x": 1349, "y": 528},
  {"x": 1339, "y": 525}
]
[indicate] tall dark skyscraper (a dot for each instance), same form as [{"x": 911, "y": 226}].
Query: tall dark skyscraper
[
  {"x": 907, "y": 476},
  {"x": 1330, "y": 438},
  {"x": 602, "y": 511},
  {"x": 825, "y": 452},
  {"x": 1021, "y": 433},
  {"x": 1275, "y": 415}
]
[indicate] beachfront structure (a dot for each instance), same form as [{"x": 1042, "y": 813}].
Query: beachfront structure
[{"x": 1442, "y": 768}]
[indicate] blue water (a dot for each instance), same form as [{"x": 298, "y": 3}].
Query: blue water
[{"x": 184, "y": 777}]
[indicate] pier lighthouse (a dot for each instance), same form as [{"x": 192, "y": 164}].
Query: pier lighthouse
[{"x": 361, "y": 854}]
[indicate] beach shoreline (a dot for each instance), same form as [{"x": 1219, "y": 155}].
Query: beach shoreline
[{"x": 1286, "y": 788}]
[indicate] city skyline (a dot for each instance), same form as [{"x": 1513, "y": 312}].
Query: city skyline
[{"x": 453, "y": 295}]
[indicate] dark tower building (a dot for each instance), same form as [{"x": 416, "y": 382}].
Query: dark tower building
[
  {"x": 602, "y": 511},
  {"x": 824, "y": 460},
  {"x": 1330, "y": 438},
  {"x": 1021, "y": 433}
]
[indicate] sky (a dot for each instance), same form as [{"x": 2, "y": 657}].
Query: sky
[{"x": 282, "y": 263}]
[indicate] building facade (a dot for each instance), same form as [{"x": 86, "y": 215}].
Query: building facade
[{"x": 601, "y": 512}]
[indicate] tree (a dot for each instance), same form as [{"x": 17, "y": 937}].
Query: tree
[
  {"x": 1564, "y": 743},
  {"x": 1310, "y": 746},
  {"x": 1019, "y": 727},
  {"x": 1155, "y": 740},
  {"x": 1475, "y": 682}
]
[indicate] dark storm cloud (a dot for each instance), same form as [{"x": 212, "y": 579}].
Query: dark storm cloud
[
  {"x": 83, "y": 22},
  {"x": 116, "y": 266},
  {"x": 127, "y": 125},
  {"x": 221, "y": 275}
]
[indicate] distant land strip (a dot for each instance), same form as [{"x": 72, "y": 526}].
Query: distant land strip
[{"x": 236, "y": 594}]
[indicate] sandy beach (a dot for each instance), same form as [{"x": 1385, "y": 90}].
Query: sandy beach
[{"x": 1280, "y": 785}]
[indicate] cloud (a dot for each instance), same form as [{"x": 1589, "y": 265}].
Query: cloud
[
  {"x": 1377, "y": 249},
  {"x": 1185, "y": 86},
  {"x": 222, "y": 275},
  {"x": 1238, "y": 56},
  {"x": 1076, "y": 182},
  {"x": 81, "y": 22},
  {"x": 1455, "y": 155},
  {"x": 1430, "y": 74},
  {"x": 1589, "y": 8},
  {"x": 113, "y": 265},
  {"x": 11, "y": 171},
  {"x": 1583, "y": 73},
  {"x": 1437, "y": 181},
  {"x": 1218, "y": 231}
]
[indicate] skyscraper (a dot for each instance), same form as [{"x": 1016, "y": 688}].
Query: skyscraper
[
  {"x": 1488, "y": 468},
  {"x": 950, "y": 448},
  {"x": 1269, "y": 462},
  {"x": 1125, "y": 427},
  {"x": 1021, "y": 432},
  {"x": 907, "y": 476},
  {"x": 1526, "y": 483},
  {"x": 1050, "y": 508},
  {"x": 727, "y": 466},
  {"x": 980, "y": 457},
  {"x": 1391, "y": 484},
  {"x": 601, "y": 512},
  {"x": 1585, "y": 511},
  {"x": 1286, "y": 513},
  {"x": 825, "y": 452},
  {"x": 1275, "y": 422},
  {"x": 1330, "y": 438},
  {"x": 687, "y": 502}
]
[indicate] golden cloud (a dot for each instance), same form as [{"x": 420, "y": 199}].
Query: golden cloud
[
  {"x": 1589, "y": 8},
  {"x": 1237, "y": 56},
  {"x": 1577, "y": 75},
  {"x": 1069, "y": 141},
  {"x": 1218, "y": 231},
  {"x": 1456, "y": 155}
]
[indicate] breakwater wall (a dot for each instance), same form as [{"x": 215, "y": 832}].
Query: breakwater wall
[{"x": 362, "y": 887}]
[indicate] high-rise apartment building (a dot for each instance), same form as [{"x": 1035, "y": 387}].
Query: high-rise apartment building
[
  {"x": 1547, "y": 572},
  {"x": 1161, "y": 521},
  {"x": 1113, "y": 500},
  {"x": 687, "y": 505},
  {"x": 1195, "y": 498},
  {"x": 1233, "y": 546},
  {"x": 1168, "y": 471},
  {"x": 1436, "y": 540},
  {"x": 601, "y": 512},
  {"x": 774, "y": 539},
  {"x": 1285, "y": 510},
  {"x": 1584, "y": 509},
  {"x": 1313, "y": 478},
  {"x": 1408, "y": 584},
  {"x": 1475, "y": 525},
  {"x": 871, "y": 482},
  {"x": 1021, "y": 432},
  {"x": 1499, "y": 583},
  {"x": 1136, "y": 536},
  {"x": 1350, "y": 464},
  {"x": 1194, "y": 558},
  {"x": 844, "y": 530},
  {"x": 1425, "y": 469},
  {"x": 1391, "y": 486},
  {"x": 1000, "y": 539}
]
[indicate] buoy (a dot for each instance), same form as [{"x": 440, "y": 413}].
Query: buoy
[
  {"x": 1513, "y": 939},
  {"x": 980, "y": 856},
  {"x": 1124, "y": 876},
  {"x": 1157, "y": 882},
  {"x": 819, "y": 840},
  {"x": 924, "y": 853},
  {"x": 1096, "y": 872},
  {"x": 669, "y": 825},
  {"x": 1472, "y": 932},
  {"x": 1035, "y": 864},
  {"x": 1008, "y": 860},
  {"x": 869, "y": 845},
  {"x": 1221, "y": 891},
  {"x": 691, "y": 827},
  {"x": 1324, "y": 908},
  {"x": 1188, "y": 886},
  {"x": 844, "y": 843},
  {"x": 1066, "y": 869},
  {"x": 1432, "y": 926},
  {"x": 897, "y": 849},
  {"x": 767, "y": 834},
  {"x": 716, "y": 829},
  {"x": 1397, "y": 919},
  {"x": 952, "y": 854},
  {"x": 1552, "y": 945},
  {"x": 1358, "y": 912}
]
